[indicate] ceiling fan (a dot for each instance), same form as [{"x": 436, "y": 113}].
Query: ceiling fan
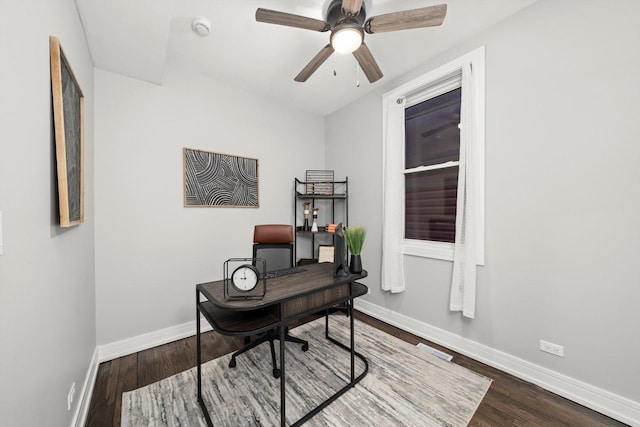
[{"x": 346, "y": 19}]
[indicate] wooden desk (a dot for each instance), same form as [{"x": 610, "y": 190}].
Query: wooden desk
[{"x": 287, "y": 298}]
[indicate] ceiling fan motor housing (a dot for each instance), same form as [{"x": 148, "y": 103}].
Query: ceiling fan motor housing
[{"x": 336, "y": 17}]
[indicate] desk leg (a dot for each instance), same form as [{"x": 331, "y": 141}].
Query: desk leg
[
  {"x": 198, "y": 349},
  {"x": 353, "y": 355},
  {"x": 326, "y": 324},
  {"x": 354, "y": 379},
  {"x": 283, "y": 411},
  {"x": 199, "y": 364}
]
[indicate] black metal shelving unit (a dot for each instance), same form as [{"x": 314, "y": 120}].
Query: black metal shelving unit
[{"x": 337, "y": 206}]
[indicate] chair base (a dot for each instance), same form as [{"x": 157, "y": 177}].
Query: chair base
[{"x": 269, "y": 336}]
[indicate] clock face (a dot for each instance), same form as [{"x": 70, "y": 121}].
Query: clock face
[{"x": 245, "y": 278}]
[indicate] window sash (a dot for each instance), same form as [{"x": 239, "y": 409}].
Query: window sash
[
  {"x": 432, "y": 128},
  {"x": 432, "y": 167},
  {"x": 431, "y": 205},
  {"x": 430, "y": 190}
]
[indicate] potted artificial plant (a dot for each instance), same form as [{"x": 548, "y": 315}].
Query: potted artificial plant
[{"x": 355, "y": 240}]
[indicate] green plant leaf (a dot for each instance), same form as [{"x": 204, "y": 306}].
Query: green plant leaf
[{"x": 355, "y": 239}]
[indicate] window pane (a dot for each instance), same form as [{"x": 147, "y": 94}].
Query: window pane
[
  {"x": 430, "y": 205},
  {"x": 431, "y": 130}
]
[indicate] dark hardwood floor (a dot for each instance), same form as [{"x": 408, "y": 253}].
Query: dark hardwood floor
[{"x": 509, "y": 401}]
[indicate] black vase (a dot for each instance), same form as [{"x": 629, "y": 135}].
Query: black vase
[{"x": 355, "y": 266}]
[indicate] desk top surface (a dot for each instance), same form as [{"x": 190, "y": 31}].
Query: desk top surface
[{"x": 279, "y": 289}]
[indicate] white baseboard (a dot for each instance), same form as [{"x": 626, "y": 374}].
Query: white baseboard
[
  {"x": 82, "y": 407},
  {"x": 610, "y": 404},
  {"x": 152, "y": 339},
  {"x": 104, "y": 353}
]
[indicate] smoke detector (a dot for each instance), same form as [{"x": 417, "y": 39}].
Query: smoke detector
[{"x": 201, "y": 26}]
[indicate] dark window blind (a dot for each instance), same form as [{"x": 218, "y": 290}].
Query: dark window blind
[
  {"x": 430, "y": 205},
  {"x": 432, "y": 138}
]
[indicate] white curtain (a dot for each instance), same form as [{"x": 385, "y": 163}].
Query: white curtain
[
  {"x": 392, "y": 234},
  {"x": 463, "y": 284}
]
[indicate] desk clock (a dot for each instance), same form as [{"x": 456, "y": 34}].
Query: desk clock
[
  {"x": 245, "y": 278},
  {"x": 242, "y": 278}
]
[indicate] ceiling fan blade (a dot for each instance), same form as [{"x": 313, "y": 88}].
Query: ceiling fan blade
[
  {"x": 290, "y": 20},
  {"x": 313, "y": 65},
  {"x": 431, "y": 16},
  {"x": 352, "y": 7},
  {"x": 367, "y": 63}
]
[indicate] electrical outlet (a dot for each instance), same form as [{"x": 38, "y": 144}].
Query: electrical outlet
[
  {"x": 555, "y": 349},
  {"x": 70, "y": 396}
]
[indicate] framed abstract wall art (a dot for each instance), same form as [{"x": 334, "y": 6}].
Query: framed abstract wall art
[
  {"x": 68, "y": 124},
  {"x": 219, "y": 180}
]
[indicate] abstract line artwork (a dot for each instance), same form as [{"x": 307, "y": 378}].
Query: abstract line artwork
[{"x": 219, "y": 180}]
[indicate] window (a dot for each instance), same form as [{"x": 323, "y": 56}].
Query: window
[
  {"x": 432, "y": 153},
  {"x": 424, "y": 121}
]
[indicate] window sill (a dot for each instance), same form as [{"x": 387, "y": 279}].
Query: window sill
[
  {"x": 425, "y": 249},
  {"x": 434, "y": 250}
]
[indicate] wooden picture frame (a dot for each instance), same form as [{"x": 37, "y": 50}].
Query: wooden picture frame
[
  {"x": 68, "y": 124},
  {"x": 325, "y": 253},
  {"x": 217, "y": 180}
]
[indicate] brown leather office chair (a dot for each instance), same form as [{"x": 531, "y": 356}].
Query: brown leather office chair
[{"x": 273, "y": 243}]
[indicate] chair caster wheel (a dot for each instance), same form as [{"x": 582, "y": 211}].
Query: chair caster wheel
[
  {"x": 276, "y": 373},
  {"x": 305, "y": 347},
  {"x": 232, "y": 363}
]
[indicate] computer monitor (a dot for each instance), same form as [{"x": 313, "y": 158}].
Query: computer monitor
[
  {"x": 339, "y": 253},
  {"x": 277, "y": 256}
]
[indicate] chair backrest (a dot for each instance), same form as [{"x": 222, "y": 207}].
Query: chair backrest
[{"x": 274, "y": 243}]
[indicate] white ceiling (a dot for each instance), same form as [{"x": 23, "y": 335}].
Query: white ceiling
[{"x": 138, "y": 38}]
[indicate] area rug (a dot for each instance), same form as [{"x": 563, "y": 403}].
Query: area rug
[{"x": 405, "y": 386}]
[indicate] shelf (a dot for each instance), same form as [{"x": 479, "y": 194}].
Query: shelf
[
  {"x": 321, "y": 230},
  {"x": 237, "y": 322},
  {"x": 320, "y": 182},
  {"x": 300, "y": 195},
  {"x": 334, "y": 209}
]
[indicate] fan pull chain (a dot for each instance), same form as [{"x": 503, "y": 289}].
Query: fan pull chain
[
  {"x": 357, "y": 75},
  {"x": 335, "y": 72}
]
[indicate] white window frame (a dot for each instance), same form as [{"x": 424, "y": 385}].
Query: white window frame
[{"x": 421, "y": 88}]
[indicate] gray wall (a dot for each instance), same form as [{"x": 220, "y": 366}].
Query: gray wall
[
  {"x": 562, "y": 200},
  {"x": 150, "y": 250},
  {"x": 47, "y": 309}
]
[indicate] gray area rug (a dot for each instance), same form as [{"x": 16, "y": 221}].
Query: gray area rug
[{"x": 405, "y": 386}]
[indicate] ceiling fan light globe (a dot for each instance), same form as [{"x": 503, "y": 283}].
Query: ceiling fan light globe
[{"x": 346, "y": 40}]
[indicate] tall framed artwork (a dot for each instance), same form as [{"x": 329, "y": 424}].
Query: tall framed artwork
[
  {"x": 219, "y": 180},
  {"x": 68, "y": 124}
]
